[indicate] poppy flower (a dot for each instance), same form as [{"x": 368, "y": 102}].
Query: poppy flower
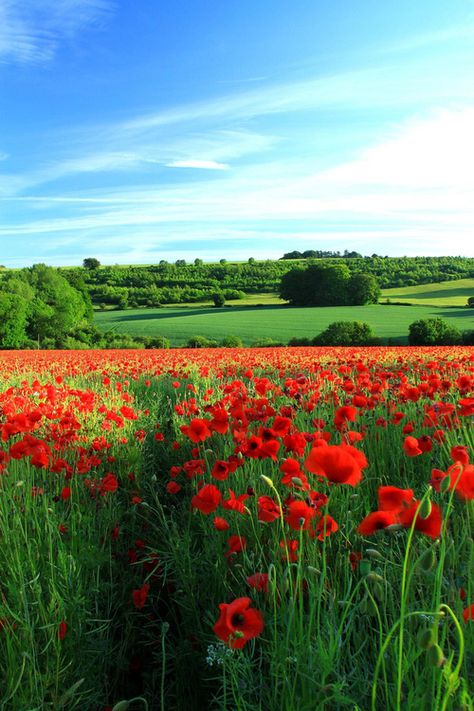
[
  {"x": 393, "y": 499},
  {"x": 220, "y": 524},
  {"x": 336, "y": 463},
  {"x": 238, "y": 622},
  {"x": 140, "y": 595},
  {"x": 268, "y": 509},
  {"x": 376, "y": 521},
  {"x": 207, "y": 499},
  {"x": 258, "y": 581},
  {"x": 468, "y": 613},
  {"x": 62, "y": 630},
  {"x": 197, "y": 430},
  {"x": 411, "y": 447},
  {"x": 326, "y": 526},
  {"x": 299, "y": 515},
  {"x": 430, "y": 526}
]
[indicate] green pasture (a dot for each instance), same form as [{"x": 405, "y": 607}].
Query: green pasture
[
  {"x": 444, "y": 293},
  {"x": 277, "y": 322}
]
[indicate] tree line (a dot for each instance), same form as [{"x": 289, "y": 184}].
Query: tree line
[{"x": 179, "y": 282}]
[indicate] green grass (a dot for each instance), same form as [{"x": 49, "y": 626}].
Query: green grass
[
  {"x": 277, "y": 322},
  {"x": 445, "y": 293}
]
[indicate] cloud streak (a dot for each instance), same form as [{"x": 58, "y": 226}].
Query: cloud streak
[{"x": 31, "y": 31}]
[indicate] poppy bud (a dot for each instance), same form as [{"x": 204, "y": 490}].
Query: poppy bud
[
  {"x": 364, "y": 567},
  {"x": 376, "y": 577},
  {"x": 428, "y": 560},
  {"x": 374, "y": 553},
  {"x": 435, "y": 656},
  {"x": 267, "y": 480},
  {"x": 296, "y": 481},
  {"x": 313, "y": 570},
  {"x": 445, "y": 484},
  {"x": 425, "y": 638},
  {"x": 122, "y": 706},
  {"x": 425, "y": 509}
]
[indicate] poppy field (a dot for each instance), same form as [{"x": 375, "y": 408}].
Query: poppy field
[{"x": 237, "y": 529}]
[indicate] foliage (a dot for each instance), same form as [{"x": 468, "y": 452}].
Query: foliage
[
  {"x": 433, "y": 331},
  {"x": 323, "y": 284},
  {"x": 218, "y": 299},
  {"x": 346, "y": 333},
  {"x": 91, "y": 263}
]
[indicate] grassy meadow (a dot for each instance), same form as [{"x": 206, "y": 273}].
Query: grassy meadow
[
  {"x": 281, "y": 323},
  {"x": 445, "y": 293},
  {"x": 283, "y": 529}
]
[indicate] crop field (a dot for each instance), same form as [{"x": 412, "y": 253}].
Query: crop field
[
  {"x": 281, "y": 323},
  {"x": 237, "y": 530},
  {"x": 446, "y": 293}
]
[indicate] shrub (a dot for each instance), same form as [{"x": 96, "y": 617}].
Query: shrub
[
  {"x": 299, "y": 342},
  {"x": 468, "y": 338},
  {"x": 232, "y": 342},
  {"x": 346, "y": 333},
  {"x": 433, "y": 332},
  {"x": 470, "y": 302},
  {"x": 265, "y": 343},
  {"x": 200, "y": 342},
  {"x": 218, "y": 299}
]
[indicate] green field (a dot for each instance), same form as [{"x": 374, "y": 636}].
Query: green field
[
  {"x": 445, "y": 293},
  {"x": 277, "y": 322}
]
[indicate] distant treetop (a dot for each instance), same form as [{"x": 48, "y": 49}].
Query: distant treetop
[{"x": 91, "y": 263}]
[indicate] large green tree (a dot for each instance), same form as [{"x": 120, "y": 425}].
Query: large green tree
[{"x": 317, "y": 285}]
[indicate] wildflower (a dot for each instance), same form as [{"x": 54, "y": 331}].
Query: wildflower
[
  {"x": 140, "y": 595},
  {"x": 207, "y": 499},
  {"x": 238, "y": 622}
]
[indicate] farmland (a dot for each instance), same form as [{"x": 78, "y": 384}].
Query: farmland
[
  {"x": 237, "y": 529},
  {"x": 281, "y": 323},
  {"x": 446, "y": 293}
]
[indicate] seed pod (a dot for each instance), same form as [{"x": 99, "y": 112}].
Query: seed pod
[
  {"x": 425, "y": 638},
  {"x": 435, "y": 656}
]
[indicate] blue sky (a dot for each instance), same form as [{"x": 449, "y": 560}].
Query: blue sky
[{"x": 135, "y": 131}]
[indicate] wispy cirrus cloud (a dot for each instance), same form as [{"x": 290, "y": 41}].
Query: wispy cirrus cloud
[
  {"x": 200, "y": 164},
  {"x": 31, "y": 31}
]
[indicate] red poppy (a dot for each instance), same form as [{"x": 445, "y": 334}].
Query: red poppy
[
  {"x": 468, "y": 613},
  {"x": 376, "y": 521},
  {"x": 220, "y": 524},
  {"x": 411, "y": 447},
  {"x": 268, "y": 509},
  {"x": 326, "y": 526},
  {"x": 430, "y": 526},
  {"x": 299, "y": 515},
  {"x": 336, "y": 463},
  {"x": 140, "y": 596},
  {"x": 197, "y": 430},
  {"x": 220, "y": 470},
  {"x": 258, "y": 581},
  {"x": 207, "y": 499},
  {"x": 238, "y": 622},
  {"x": 62, "y": 630},
  {"x": 109, "y": 484},
  {"x": 393, "y": 499}
]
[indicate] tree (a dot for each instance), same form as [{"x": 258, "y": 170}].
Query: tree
[
  {"x": 223, "y": 261},
  {"x": 13, "y": 317},
  {"x": 317, "y": 285},
  {"x": 363, "y": 289},
  {"x": 346, "y": 333},
  {"x": 218, "y": 299},
  {"x": 180, "y": 263},
  {"x": 198, "y": 262},
  {"x": 91, "y": 263},
  {"x": 433, "y": 332},
  {"x": 470, "y": 302}
]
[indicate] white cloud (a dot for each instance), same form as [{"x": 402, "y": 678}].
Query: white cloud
[
  {"x": 201, "y": 164},
  {"x": 31, "y": 31}
]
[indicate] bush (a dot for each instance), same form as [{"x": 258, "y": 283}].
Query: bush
[
  {"x": 266, "y": 343},
  {"x": 468, "y": 338},
  {"x": 218, "y": 299},
  {"x": 232, "y": 342},
  {"x": 346, "y": 333},
  {"x": 433, "y": 332},
  {"x": 156, "y": 342},
  {"x": 200, "y": 342},
  {"x": 470, "y": 302},
  {"x": 299, "y": 342}
]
